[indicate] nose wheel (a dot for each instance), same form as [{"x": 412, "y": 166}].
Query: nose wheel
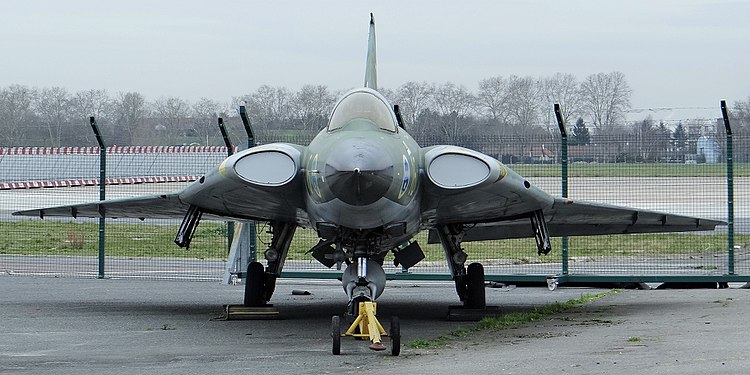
[
  {"x": 395, "y": 333},
  {"x": 336, "y": 334}
]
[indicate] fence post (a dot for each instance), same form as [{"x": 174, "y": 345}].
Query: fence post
[
  {"x": 564, "y": 178},
  {"x": 730, "y": 189},
  {"x": 102, "y": 191},
  {"x": 251, "y": 234},
  {"x": 230, "y": 151}
]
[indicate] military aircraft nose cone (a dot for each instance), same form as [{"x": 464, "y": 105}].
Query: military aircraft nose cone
[{"x": 358, "y": 171}]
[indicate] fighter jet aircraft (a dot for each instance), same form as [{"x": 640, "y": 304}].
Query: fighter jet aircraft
[{"x": 367, "y": 188}]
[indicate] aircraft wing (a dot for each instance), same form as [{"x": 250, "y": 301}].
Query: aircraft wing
[
  {"x": 581, "y": 218},
  {"x": 467, "y": 187},
  {"x": 263, "y": 183},
  {"x": 165, "y": 206}
]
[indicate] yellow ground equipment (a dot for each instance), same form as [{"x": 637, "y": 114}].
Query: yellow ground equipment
[
  {"x": 367, "y": 326},
  {"x": 242, "y": 312}
]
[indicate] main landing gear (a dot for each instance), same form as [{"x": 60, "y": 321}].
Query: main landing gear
[
  {"x": 260, "y": 283},
  {"x": 469, "y": 280}
]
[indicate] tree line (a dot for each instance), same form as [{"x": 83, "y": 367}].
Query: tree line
[{"x": 513, "y": 106}]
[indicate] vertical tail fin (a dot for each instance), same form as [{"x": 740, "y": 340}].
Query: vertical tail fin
[{"x": 371, "y": 71}]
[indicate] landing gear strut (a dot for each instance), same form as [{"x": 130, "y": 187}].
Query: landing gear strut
[
  {"x": 260, "y": 284},
  {"x": 541, "y": 233},
  {"x": 187, "y": 227},
  {"x": 364, "y": 281},
  {"x": 469, "y": 281}
]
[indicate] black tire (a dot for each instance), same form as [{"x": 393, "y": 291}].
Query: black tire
[
  {"x": 395, "y": 334},
  {"x": 336, "y": 334},
  {"x": 254, "y": 285},
  {"x": 475, "y": 297}
]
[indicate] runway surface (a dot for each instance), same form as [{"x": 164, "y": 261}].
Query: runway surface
[{"x": 84, "y": 326}]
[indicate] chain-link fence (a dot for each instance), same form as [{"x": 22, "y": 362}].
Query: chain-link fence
[{"x": 647, "y": 173}]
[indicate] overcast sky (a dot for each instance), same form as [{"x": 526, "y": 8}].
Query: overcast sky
[{"x": 686, "y": 53}]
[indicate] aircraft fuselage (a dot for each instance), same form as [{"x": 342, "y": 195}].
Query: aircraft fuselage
[{"x": 362, "y": 173}]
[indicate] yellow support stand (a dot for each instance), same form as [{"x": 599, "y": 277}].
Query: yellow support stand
[{"x": 367, "y": 326}]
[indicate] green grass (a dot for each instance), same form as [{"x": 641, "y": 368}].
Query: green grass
[
  {"x": 524, "y": 250},
  {"x": 45, "y": 237},
  {"x": 631, "y": 170},
  {"x": 508, "y": 321},
  {"x": 42, "y": 237}
]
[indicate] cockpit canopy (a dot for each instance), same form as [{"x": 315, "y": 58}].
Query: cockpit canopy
[{"x": 363, "y": 104}]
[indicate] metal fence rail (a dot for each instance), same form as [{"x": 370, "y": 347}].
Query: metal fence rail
[{"x": 621, "y": 171}]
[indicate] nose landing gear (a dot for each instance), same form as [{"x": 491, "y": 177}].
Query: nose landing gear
[{"x": 363, "y": 281}]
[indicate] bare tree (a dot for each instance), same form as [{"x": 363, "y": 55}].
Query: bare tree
[
  {"x": 204, "y": 115},
  {"x": 740, "y": 113},
  {"x": 562, "y": 89},
  {"x": 53, "y": 106},
  {"x": 389, "y": 94},
  {"x": 269, "y": 107},
  {"x": 16, "y": 114},
  {"x": 311, "y": 105},
  {"x": 413, "y": 98},
  {"x": 171, "y": 116},
  {"x": 492, "y": 98},
  {"x": 129, "y": 114},
  {"x": 453, "y": 103},
  {"x": 606, "y": 97},
  {"x": 87, "y": 103},
  {"x": 523, "y": 102}
]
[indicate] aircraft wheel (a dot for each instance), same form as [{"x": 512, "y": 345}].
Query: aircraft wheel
[
  {"x": 552, "y": 283},
  {"x": 475, "y": 297},
  {"x": 395, "y": 334},
  {"x": 254, "y": 285},
  {"x": 336, "y": 334}
]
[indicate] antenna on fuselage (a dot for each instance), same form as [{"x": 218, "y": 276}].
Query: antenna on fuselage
[
  {"x": 371, "y": 70},
  {"x": 397, "y": 111}
]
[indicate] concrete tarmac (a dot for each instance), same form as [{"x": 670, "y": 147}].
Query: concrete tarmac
[{"x": 82, "y": 326}]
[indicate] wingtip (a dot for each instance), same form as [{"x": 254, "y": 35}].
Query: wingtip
[{"x": 372, "y": 19}]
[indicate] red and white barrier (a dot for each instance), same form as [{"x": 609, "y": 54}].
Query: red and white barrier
[
  {"x": 112, "y": 150},
  {"x": 94, "y": 181}
]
